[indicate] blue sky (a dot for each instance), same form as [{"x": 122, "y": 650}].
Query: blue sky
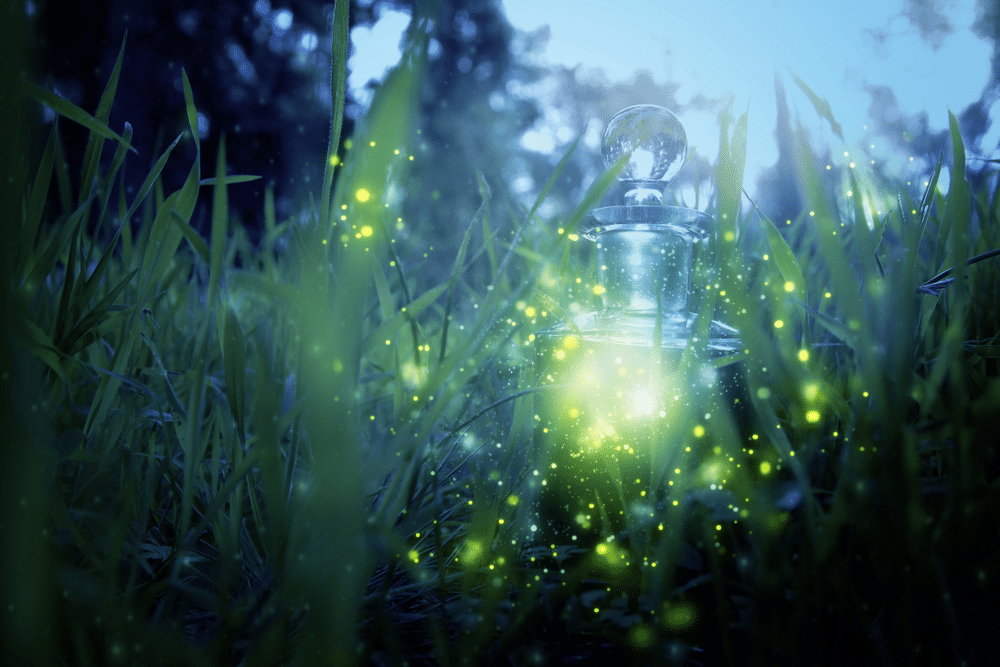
[{"x": 722, "y": 48}]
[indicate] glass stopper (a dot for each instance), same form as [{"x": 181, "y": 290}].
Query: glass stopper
[{"x": 657, "y": 145}]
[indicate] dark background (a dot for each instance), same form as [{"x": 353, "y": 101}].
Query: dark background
[{"x": 257, "y": 81}]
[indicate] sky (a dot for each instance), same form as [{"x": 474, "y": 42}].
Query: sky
[{"x": 723, "y": 48}]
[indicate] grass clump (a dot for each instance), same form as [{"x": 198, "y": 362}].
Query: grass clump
[{"x": 322, "y": 456}]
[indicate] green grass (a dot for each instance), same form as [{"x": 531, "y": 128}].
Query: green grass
[{"x": 324, "y": 456}]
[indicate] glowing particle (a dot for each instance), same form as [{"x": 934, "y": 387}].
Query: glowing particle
[
  {"x": 803, "y": 355},
  {"x": 810, "y": 391},
  {"x": 367, "y": 230},
  {"x": 765, "y": 468},
  {"x": 598, "y": 290},
  {"x": 789, "y": 286},
  {"x": 362, "y": 195},
  {"x": 570, "y": 342},
  {"x": 763, "y": 393},
  {"x": 560, "y": 354},
  {"x": 778, "y": 324},
  {"x": 812, "y": 416},
  {"x": 699, "y": 431},
  {"x": 529, "y": 311}
]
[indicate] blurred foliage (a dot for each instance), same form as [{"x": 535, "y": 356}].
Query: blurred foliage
[{"x": 217, "y": 453}]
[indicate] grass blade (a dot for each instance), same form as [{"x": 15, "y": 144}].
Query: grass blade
[{"x": 66, "y": 108}]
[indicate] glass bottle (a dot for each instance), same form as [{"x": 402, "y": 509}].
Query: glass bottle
[{"x": 612, "y": 390}]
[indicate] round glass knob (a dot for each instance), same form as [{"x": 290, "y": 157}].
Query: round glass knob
[{"x": 657, "y": 147}]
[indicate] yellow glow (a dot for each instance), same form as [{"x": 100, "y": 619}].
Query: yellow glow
[
  {"x": 699, "y": 431},
  {"x": 643, "y": 400},
  {"x": 560, "y": 354},
  {"x": 789, "y": 286},
  {"x": 778, "y": 324},
  {"x": 812, "y": 416},
  {"x": 367, "y": 230},
  {"x": 803, "y": 355},
  {"x": 413, "y": 556},
  {"x": 679, "y": 616},
  {"x": 570, "y": 342},
  {"x": 473, "y": 552},
  {"x": 729, "y": 236},
  {"x": 362, "y": 195},
  {"x": 765, "y": 468},
  {"x": 529, "y": 311},
  {"x": 598, "y": 290},
  {"x": 810, "y": 391}
]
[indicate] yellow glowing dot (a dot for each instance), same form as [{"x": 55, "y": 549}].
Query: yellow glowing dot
[
  {"x": 367, "y": 230},
  {"x": 789, "y": 286},
  {"x": 529, "y": 311},
  {"x": 362, "y": 195},
  {"x": 334, "y": 160},
  {"x": 810, "y": 391},
  {"x": 763, "y": 393},
  {"x": 598, "y": 290},
  {"x": 765, "y": 468},
  {"x": 729, "y": 236},
  {"x": 414, "y": 556},
  {"x": 803, "y": 355},
  {"x": 570, "y": 342},
  {"x": 812, "y": 416},
  {"x": 699, "y": 431},
  {"x": 778, "y": 324},
  {"x": 560, "y": 354},
  {"x": 718, "y": 526}
]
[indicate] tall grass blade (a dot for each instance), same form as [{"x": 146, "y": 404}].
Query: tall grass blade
[
  {"x": 66, "y": 108},
  {"x": 95, "y": 142},
  {"x": 821, "y": 105},
  {"x": 338, "y": 87}
]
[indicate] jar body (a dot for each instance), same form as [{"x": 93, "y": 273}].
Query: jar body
[{"x": 614, "y": 429}]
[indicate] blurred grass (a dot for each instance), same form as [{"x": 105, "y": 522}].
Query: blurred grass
[{"x": 222, "y": 454}]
